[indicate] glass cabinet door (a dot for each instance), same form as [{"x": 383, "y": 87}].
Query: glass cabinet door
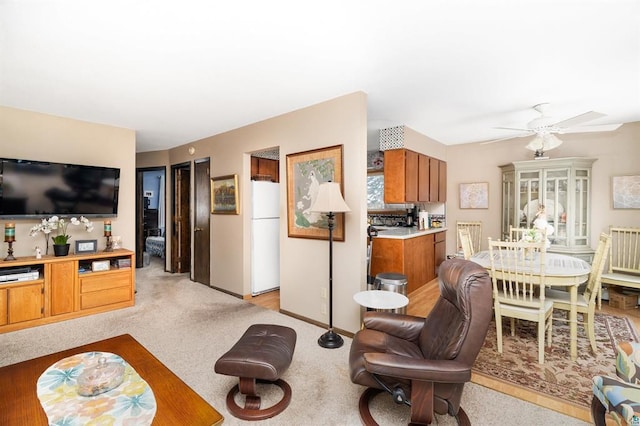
[
  {"x": 555, "y": 203},
  {"x": 562, "y": 185}
]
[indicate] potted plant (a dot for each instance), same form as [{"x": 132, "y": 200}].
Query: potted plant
[{"x": 59, "y": 226}]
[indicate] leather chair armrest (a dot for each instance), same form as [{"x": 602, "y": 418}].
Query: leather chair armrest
[
  {"x": 406, "y": 327},
  {"x": 433, "y": 370}
]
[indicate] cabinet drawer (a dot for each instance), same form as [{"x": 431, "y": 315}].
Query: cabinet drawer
[
  {"x": 104, "y": 281},
  {"x": 105, "y": 297}
]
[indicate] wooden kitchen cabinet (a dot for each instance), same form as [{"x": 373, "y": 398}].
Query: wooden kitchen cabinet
[
  {"x": 265, "y": 169},
  {"x": 411, "y": 177},
  {"x": 440, "y": 248},
  {"x": 400, "y": 176},
  {"x": 437, "y": 181},
  {"x": 413, "y": 257}
]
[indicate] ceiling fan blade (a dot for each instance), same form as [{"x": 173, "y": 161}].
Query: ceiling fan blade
[
  {"x": 579, "y": 119},
  {"x": 514, "y": 128},
  {"x": 587, "y": 129},
  {"x": 522, "y": 135}
]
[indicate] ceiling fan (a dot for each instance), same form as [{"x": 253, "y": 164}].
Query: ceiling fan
[{"x": 545, "y": 128}]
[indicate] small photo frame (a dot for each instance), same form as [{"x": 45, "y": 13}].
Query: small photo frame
[
  {"x": 626, "y": 192},
  {"x": 86, "y": 246},
  {"x": 224, "y": 195},
  {"x": 474, "y": 195}
]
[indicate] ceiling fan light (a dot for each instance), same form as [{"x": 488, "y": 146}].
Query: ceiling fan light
[
  {"x": 552, "y": 141},
  {"x": 544, "y": 142}
]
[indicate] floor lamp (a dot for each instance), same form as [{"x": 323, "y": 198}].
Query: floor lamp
[{"x": 330, "y": 201}]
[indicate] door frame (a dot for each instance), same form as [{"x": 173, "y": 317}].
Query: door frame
[
  {"x": 201, "y": 254},
  {"x": 175, "y": 238},
  {"x": 139, "y": 245}
]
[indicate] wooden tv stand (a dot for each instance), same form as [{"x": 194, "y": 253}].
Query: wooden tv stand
[{"x": 66, "y": 288}]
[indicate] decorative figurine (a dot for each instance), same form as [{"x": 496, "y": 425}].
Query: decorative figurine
[{"x": 38, "y": 253}]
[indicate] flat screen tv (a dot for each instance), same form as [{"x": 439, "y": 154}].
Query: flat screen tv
[{"x": 37, "y": 189}]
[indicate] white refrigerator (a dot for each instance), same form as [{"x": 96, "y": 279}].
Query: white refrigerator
[{"x": 265, "y": 236}]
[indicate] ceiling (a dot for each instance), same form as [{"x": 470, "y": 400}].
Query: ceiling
[{"x": 179, "y": 71}]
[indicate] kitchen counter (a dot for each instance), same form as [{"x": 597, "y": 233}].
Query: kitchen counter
[{"x": 403, "y": 233}]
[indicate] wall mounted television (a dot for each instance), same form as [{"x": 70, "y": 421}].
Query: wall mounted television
[{"x": 38, "y": 189}]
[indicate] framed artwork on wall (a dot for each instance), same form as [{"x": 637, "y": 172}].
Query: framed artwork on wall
[
  {"x": 625, "y": 192},
  {"x": 305, "y": 172},
  {"x": 224, "y": 195},
  {"x": 474, "y": 195}
]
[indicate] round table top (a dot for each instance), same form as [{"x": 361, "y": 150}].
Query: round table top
[{"x": 381, "y": 299}]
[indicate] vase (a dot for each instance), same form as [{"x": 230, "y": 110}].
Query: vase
[{"x": 61, "y": 249}]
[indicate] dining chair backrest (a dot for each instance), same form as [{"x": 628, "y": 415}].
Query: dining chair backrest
[
  {"x": 465, "y": 241},
  {"x": 475, "y": 233},
  {"x": 516, "y": 234},
  {"x": 518, "y": 273},
  {"x": 597, "y": 267}
]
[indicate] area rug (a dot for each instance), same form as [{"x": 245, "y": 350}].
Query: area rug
[{"x": 559, "y": 377}]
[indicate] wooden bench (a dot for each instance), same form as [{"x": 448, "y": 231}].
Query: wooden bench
[{"x": 624, "y": 259}]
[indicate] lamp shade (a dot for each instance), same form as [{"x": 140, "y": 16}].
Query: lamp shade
[
  {"x": 329, "y": 199},
  {"x": 544, "y": 142}
]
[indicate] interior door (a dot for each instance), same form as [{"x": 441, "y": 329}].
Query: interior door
[
  {"x": 202, "y": 216},
  {"x": 181, "y": 232}
]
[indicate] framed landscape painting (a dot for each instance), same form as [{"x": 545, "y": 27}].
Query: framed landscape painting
[
  {"x": 224, "y": 195},
  {"x": 305, "y": 172}
]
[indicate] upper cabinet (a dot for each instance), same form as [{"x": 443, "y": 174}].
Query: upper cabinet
[
  {"x": 265, "y": 169},
  {"x": 411, "y": 177},
  {"x": 563, "y": 186}
]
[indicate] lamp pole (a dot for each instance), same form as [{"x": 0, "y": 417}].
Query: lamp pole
[{"x": 330, "y": 339}]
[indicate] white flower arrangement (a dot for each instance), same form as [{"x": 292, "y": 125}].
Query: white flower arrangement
[{"x": 59, "y": 225}]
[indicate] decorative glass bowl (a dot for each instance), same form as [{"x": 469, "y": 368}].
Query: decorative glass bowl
[{"x": 101, "y": 378}]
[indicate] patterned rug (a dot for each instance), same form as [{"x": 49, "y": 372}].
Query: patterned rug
[{"x": 558, "y": 377}]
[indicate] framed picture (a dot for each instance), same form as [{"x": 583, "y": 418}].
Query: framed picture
[
  {"x": 86, "y": 246},
  {"x": 474, "y": 195},
  {"x": 224, "y": 195},
  {"x": 626, "y": 192},
  {"x": 305, "y": 172}
]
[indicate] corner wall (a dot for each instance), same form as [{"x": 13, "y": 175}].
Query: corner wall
[
  {"x": 303, "y": 262},
  {"x": 41, "y": 137}
]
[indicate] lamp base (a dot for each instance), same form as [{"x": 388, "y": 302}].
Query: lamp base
[{"x": 330, "y": 340}]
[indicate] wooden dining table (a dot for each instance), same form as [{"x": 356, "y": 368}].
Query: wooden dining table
[{"x": 560, "y": 270}]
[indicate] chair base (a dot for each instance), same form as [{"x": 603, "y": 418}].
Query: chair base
[
  {"x": 251, "y": 409},
  {"x": 368, "y": 420}
]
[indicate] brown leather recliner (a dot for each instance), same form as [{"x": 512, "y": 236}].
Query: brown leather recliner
[{"x": 422, "y": 362}]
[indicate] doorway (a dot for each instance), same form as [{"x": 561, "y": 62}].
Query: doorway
[
  {"x": 202, "y": 222},
  {"x": 265, "y": 223},
  {"x": 181, "y": 230},
  {"x": 150, "y": 214}
]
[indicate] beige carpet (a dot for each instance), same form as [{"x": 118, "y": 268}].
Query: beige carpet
[{"x": 188, "y": 326}]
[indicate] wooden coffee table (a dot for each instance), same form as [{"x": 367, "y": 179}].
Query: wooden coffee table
[{"x": 177, "y": 403}]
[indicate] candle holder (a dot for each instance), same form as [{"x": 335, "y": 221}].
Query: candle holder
[
  {"x": 10, "y": 251},
  {"x": 109, "y": 246}
]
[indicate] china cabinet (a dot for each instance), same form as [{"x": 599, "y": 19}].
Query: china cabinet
[{"x": 563, "y": 187}]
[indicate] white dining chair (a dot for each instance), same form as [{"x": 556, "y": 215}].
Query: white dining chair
[
  {"x": 517, "y": 272},
  {"x": 465, "y": 243},
  {"x": 475, "y": 234},
  {"x": 586, "y": 303}
]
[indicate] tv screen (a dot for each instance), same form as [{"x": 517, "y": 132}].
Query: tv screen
[{"x": 35, "y": 189}]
